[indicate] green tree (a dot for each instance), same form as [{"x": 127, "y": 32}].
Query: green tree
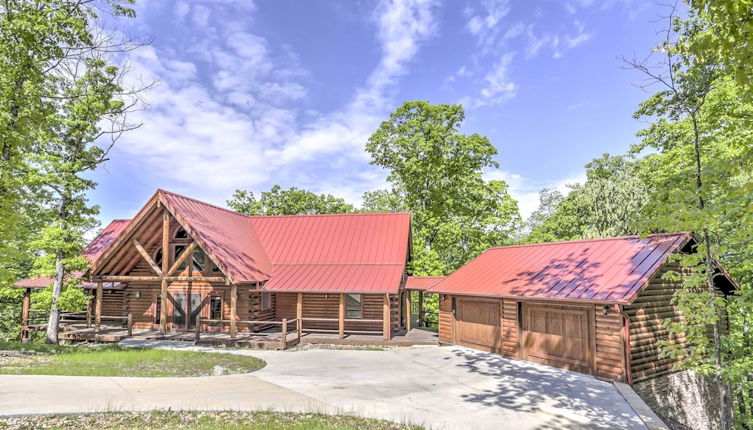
[
  {"x": 436, "y": 173},
  {"x": 607, "y": 204},
  {"x": 293, "y": 201},
  {"x": 700, "y": 133},
  {"x": 59, "y": 94}
]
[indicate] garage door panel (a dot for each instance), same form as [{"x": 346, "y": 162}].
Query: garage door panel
[
  {"x": 557, "y": 337},
  {"x": 478, "y": 324}
]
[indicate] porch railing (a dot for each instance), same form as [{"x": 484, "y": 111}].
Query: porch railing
[{"x": 285, "y": 326}]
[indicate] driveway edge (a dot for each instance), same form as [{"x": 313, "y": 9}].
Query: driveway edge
[{"x": 648, "y": 416}]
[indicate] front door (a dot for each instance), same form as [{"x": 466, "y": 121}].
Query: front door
[{"x": 189, "y": 304}]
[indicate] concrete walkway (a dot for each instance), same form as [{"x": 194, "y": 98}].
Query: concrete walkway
[{"x": 441, "y": 388}]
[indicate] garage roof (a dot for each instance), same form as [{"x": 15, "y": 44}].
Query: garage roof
[{"x": 611, "y": 270}]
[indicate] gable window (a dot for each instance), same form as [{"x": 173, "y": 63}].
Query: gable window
[
  {"x": 215, "y": 308},
  {"x": 353, "y": 306},
  {"x": 181, "y": 233},
  {"x": 266, "y": 301},
  {"x": 199, "y": 259}
]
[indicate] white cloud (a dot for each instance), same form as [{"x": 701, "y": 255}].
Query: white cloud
[
  {"x": 498, "y": 87},
  {"x": 526, "y": 190},
  {"x": 233, "y": 116}
]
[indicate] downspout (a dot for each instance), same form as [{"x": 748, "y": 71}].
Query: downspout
[{"x": 628, "y": 366}]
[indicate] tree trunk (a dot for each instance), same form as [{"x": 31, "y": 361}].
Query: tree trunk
[
  {"x": 57, "y": 288},
  {"x": 724, "y": 403}
]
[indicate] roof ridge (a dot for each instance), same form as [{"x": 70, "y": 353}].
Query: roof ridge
[
  {"x": 330, "y": 214},
  {"x": 337, "y": 264},
  {"x": 160, "y": 190},
  {"x": 599, "y": 239}
]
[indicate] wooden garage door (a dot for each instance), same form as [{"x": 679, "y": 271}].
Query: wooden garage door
[
  {"x": 477, "y": 324},
  {"x": 557, "y": 336}
]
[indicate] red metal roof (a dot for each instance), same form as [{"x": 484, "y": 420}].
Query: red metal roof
[
  {"x": 91, "y": 252},
  {"x": 363, "y": 253},
  {"x": 360, "y": 253},
  {"x": 422, "y": 282},
  {"x": 599, "y": 270},
  {"x": 226, "y": 236}
]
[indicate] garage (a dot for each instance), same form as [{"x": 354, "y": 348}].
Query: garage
[
  {"x": 557, "y": 336},
  {"x": 477, "y": 323}
]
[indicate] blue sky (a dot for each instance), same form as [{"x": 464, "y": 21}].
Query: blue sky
[{"x": 251, "y": 94}]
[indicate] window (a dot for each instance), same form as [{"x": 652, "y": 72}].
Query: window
[
  {"x": 181, "y": 233},
  {"x": 158, "y": 257},
  {"x": 215, "y": 308},
  {"x": 266, "y": 301},
  {"x": 198, "y": 259},
  {"x": 353, "y": 306}
]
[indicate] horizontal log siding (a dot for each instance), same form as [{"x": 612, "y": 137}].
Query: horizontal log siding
[
  {"x": 113, "y": 304},
  {"x": 647, "y": 314},
  {"x": 445, "y": 318},
  {"x": 510, "y": 340},
  {"x": 610, "y": 345},
  {"x": 328, "y": 306}
]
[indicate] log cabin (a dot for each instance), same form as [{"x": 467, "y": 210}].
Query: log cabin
[
  {"x": 592, "y": 306},
  {"x": 181, "y": 261}
]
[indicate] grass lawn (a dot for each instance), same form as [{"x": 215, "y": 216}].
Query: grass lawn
[
  {"x": 114, "y": 360},
  {"x": 201, "y": 421}
]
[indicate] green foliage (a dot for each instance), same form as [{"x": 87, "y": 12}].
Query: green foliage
[
  {"x": 607, "y": 204},
  {"x": 292, "y": 201},
  {"x": 436, "y": 174},
  {"x": 725, "y": 29}
]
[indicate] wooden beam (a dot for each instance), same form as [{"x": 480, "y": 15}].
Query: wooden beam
[
  {"x": 183, "y": 257},
  {"x": 407, "y": 310},
  {"x": 145, "y": 255},
  {"x": 284, "y": 333},
  {"x": 165, "y": 267},
  {"x": 233, "y": 310},
  {"x": 299, "y": 306},
  {"x": 119, "y": 278},
  {"x": 386, "y": 318},
  {"x": 25, "y": 305},
  {"x": 98, "y": 308},
  {"x": 341, "y": 317}
]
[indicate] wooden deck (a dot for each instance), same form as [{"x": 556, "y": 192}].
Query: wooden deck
[{"x": 268, "y": 339}]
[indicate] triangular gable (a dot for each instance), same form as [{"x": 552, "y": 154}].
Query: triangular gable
[{"x": 225, "y": 237}]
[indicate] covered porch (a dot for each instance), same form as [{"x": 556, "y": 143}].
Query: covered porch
[{"x": 270, "y": 338}]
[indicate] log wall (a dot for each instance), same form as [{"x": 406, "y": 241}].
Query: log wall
[
  {"x": 609, "y": 344},
  {"x": 647, "y": 314},
  {"x": 328, "y": 306},
  {"x": 446, "y": 319},
  {"x": 510, "y": 338}
]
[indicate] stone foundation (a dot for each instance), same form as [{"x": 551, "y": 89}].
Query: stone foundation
[{"x": 684, "y": 400}]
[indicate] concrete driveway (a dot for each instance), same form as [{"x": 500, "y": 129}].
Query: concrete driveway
[{"x": 440, "y": 388}]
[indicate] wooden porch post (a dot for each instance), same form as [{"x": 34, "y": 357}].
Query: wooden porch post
[
  {"x": 387, "y": 319},
  {"x": 233, "y": 309},
  {"x": 421, "y": 322},
  {"x": 165, "y": 268},
  {"x": 299, "y": 313},
  {"x": 341, "y": 317},
  {"x": 407, "y": 310},
  {"x": 25, "y": 305},
  {"x": 98, "y": 308},
  {"x": 89, "y": 310}
]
